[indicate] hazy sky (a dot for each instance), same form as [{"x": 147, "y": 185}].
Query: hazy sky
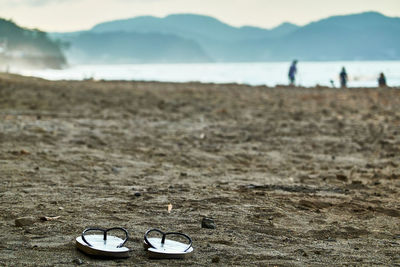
[{"x": 71, "y": 15}]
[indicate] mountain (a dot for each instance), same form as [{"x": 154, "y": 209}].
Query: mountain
[
  {"x": 197, "y": 38},
  {"x": 219, "y": 40},
  {"x": 133, "y": 47},
  {"x": 283, "y": 29},
  {"x": 192, "y": 26},
  {"x": 24, "y": 47},
  {"x": 365, "y": 36}
]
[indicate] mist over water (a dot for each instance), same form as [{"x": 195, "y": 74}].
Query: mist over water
[{"x": 361, "y": 73}]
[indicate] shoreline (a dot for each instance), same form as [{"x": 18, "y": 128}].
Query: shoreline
[
  {"x": 361, "y": 74},
  {"x": 278, "y": 86}
]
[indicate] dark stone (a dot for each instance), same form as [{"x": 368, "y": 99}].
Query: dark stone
[
  {"x": 302, "y": 252},
  {"x": 341, "y": 177},
  {"x": 208, "y": 223},
  {"x": 138, "y": 194},
  {"x": 215, "y": 259},
  {"x": 78, "y": 261},
  {"x": 115, "y": 170},
  {"x": 369, "y": 166}
]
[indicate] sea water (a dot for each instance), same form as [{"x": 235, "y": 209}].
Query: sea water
[{"x": 361, "y": 73}]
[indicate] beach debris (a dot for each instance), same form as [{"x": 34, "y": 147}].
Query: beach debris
[
  {"x": 115, "y": 170},
  {"x": 137, "y": 194},
  {"x": 78, "y": 261},
  {"x": 24, "y": 152},
  {"x": 341, "y": 177},
  {"x": 169, "y": 207},
  {"x": 208, "y": 223},
  {"x": 24, "y": 221},
  {"x": 49, "y": 218},
  {"x": 202, "y": 135},
  {"x": 21, "y": 152},
  {"x": 215, "y": 259}
]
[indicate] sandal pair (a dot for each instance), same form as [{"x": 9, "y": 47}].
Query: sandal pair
[{"x": 106, "y": 245}]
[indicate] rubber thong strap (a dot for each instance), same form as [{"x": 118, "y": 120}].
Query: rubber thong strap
[
  {"x": 164, "y": 236},
  {"x": 105, "y": 231}
]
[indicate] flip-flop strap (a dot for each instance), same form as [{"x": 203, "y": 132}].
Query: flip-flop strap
[
  {"x": 105, "y": 231},
  {"x": 186, "y": 236},
  {"x": 122, "y": 229},
  {"x": 153, "y": 230},
  {"x": 164, "y": 236}
]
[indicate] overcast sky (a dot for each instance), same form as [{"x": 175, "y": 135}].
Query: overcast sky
[{"x": 71, "y": 15}]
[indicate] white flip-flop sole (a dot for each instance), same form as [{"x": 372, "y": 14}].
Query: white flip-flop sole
[
  {"x": 101, "y": 247},
  {"x": 169, "y": 250}
]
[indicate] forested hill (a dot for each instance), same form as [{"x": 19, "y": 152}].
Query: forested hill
[
  {"x": 197, "y": 38},
  {"x": 29, "y": 48}
]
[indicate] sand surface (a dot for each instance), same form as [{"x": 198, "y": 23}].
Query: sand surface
[{"x": 291, "y": 177}]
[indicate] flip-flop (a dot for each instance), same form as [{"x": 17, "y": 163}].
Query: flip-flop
[
  {"x": 162, "y": 248},
  {"x": 103, "y": 245}
]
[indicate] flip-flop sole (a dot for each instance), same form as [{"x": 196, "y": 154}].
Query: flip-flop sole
[
  {"x": 103, "y": 248},
  {"x": 169, "y": 250}
]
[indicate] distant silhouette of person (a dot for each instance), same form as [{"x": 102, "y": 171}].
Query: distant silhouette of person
[
  {"x": 332, "y": 83},
  {"x": 382, "y": 80},
  {"x": 292, "y": 72},
  {"x": 343, "y": 78}
]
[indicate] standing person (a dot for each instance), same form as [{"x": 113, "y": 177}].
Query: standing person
[
  {"x": 292, "y": 72},
  {"x": 343, "y": 78},
  {"x": 382, "y": 80}
]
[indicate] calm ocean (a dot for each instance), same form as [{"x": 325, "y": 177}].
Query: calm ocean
[{"x": 361, "y": 73}]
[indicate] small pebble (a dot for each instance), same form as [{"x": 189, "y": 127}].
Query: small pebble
[
  {"x": 215, "y": 259},
  {"x": 24, "y": 221},
  {"x": 341, "y": 177},
  {"x": 208, "y": 223},
  {"x": 78, "y": 261},
  {"x": 115, "y": 170},
  {"x": 138, "y": 194}
]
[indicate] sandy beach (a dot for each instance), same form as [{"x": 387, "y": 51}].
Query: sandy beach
[{"x": 291, "y": 176}]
